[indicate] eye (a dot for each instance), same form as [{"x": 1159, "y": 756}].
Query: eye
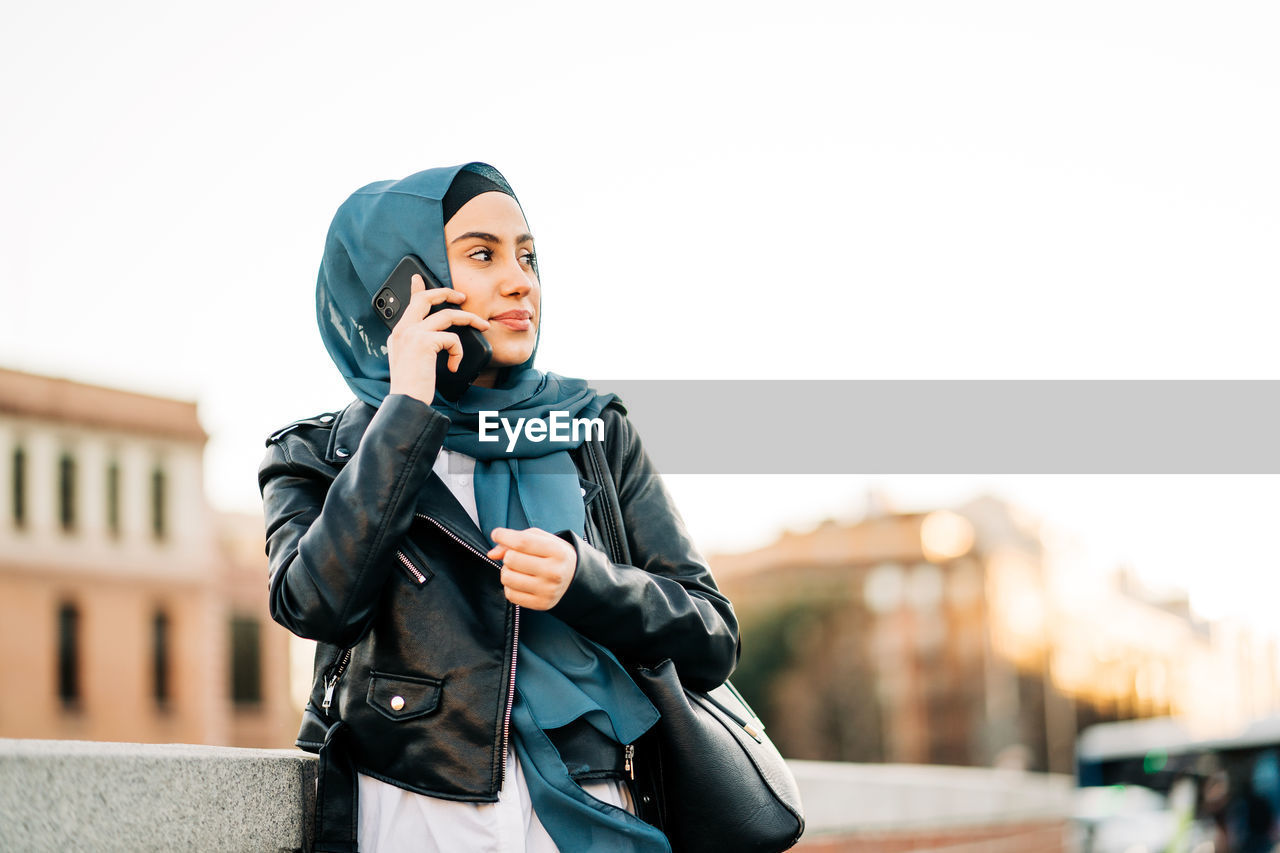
[
  {"x": 481, "y": 254},
  {"x": 530, "y": 259}
]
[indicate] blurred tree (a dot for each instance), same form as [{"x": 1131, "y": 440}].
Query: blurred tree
[
  {"x": 766, "y": 653},
  {"x": 807, "y": 671}
]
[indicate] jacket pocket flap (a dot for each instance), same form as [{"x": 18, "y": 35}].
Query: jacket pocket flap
[{"x": 403, "y": 697}]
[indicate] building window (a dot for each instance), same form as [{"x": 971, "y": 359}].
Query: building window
[
  {"x": 246, "y": 661},
  {"x": 69, "y": 656},
  {"x": 67, "y": 492},
  {"x": 160, "y": 658},
  {"x": 158, "y": 488},
  {"x": 19, "y": 487},
  {"x": 113, "y": 498}
]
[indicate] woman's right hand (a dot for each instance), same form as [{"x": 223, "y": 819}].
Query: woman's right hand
[{"x": 417, "y": 338}]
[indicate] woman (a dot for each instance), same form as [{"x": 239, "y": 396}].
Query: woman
[{"x": 471, "y": 690}]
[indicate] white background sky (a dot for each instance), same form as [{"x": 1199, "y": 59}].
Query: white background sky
[{"x": 892, "y": 190}]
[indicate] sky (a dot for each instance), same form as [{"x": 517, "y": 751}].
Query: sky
[{"x": 719, "y": 190}]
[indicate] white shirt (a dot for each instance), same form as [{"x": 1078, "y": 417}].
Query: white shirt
[{"x": 394, "y": 820}]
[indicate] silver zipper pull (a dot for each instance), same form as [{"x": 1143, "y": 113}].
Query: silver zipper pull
[
  {"x": 628, "y": 752},
  {"x": 329, "y": 685}
]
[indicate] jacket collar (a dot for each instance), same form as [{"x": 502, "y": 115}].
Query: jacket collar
[{"x": 436, "y": 501}]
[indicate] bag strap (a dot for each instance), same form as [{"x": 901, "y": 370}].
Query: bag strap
[
  {"x": 337, "y": 796},
  {"x": 646, "y": 785},
  {"x": 614, "y": 529}
]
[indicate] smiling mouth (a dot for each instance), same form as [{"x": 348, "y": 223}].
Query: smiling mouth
[{"x": 517, "y": 321}]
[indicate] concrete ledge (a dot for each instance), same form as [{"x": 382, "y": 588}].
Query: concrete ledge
[
  {"x": 858, "y": 798},
  {"x": 80, "y": 795}
]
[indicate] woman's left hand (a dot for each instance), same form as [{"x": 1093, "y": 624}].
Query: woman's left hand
[{"x": 537, "y": 566}]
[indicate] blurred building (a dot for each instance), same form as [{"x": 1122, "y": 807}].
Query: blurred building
[
  {"x": 129, "y": 610},
  {"x": 959, "y": 637}
]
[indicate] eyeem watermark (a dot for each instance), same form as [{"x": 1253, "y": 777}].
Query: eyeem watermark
[
  {"x": 978, "y": 426},
  {"x": 558, "y": 427}
]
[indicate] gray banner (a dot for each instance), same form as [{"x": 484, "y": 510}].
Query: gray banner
[{"x": 956, "y": 426}]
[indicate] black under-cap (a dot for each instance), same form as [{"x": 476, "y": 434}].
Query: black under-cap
[{"x": 468, "y": 184}]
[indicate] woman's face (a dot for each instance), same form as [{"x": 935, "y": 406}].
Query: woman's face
[{"x": 491, "y": 260}]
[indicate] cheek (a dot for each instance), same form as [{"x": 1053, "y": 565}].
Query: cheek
[{"x": 466, "y": 285}]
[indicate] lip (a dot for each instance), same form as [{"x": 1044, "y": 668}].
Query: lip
[{"x": 518, "y": 320}]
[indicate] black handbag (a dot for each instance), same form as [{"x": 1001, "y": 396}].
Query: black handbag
[{"x": 721, "y": 782}]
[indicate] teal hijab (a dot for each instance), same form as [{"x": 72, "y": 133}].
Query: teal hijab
[
  {"x": 372, "y": 230},
  {"x": 562, "y": 676}
]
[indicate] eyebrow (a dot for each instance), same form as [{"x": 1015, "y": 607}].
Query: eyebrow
[{"x": 485, "y": 235}]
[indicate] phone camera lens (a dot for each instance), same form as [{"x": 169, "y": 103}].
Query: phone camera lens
[
  {"x": 381, "y": 303},
  {"x": 387, "y": 312}
]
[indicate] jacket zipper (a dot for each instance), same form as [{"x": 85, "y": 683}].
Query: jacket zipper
[
  {"x": 413, "y": 570},
  {"x": 331, "y": 682},
  {"x": 511, "y": 695},
  {"x": 515, "y": 645}
]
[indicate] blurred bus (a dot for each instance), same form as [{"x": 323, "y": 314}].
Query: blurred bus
[{"x": 1226, "y": 788}]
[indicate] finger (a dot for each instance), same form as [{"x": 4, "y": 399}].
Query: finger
[
  {"x": 526, "y": 564},
  {"x": 496, "y": 553},
  {"x": 531, "y": 540},
  {"x": 522, "y": 583},
  {"x": 447, "y": 317},
  {"x": 413, "y": 310},
  {"x": 524, "y": 599},
  {"x": 423, "y": 299},
  {"x": 436, "y": 295},
  {"x": 454, "y": 348},
  {"x": 428, "y": 346}
]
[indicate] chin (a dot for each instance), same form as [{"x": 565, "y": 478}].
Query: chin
[{"x": 508, "y": 358}]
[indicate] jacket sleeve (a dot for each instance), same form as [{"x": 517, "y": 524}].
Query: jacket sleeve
[
  {"x": 665, "y": 605},
  {"x": 328, "y": 537}
]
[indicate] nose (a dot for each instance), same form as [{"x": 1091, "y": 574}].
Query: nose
[{"x": 515, "y": 280}]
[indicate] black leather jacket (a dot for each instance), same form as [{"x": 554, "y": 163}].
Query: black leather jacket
[{"x": 372, "y": 556}]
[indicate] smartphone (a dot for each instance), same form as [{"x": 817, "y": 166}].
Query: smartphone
[{"x": 391, "y": 300}]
